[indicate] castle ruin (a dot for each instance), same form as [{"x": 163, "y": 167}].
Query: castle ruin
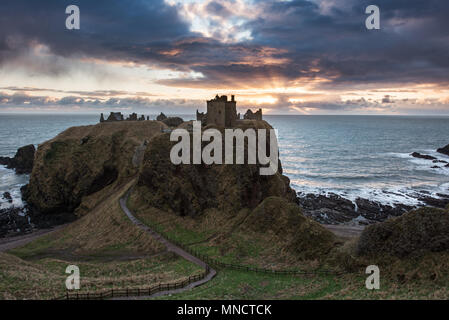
[
  {"x": 118, "y": 116},
  {"x": 222, "y": 112},
  {"x": 249, "y": 115}
]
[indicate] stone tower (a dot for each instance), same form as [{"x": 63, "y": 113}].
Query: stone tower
[{"x": 222, "y": 112}]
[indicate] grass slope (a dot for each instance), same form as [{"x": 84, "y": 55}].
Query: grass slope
[
  {"x": 109, "y": 250},
  {"x": 228, "y": 238}
]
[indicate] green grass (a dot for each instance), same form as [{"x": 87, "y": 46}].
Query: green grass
[
  {"x": 109, "y": 250},
  {"x": 45, "y": 278},
  {"x": 408, "y": 278},
  {"x": 235, "y": 284},
  {"x": 234, "y": 246}
]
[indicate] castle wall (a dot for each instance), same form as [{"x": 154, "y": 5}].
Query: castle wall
[
  {"x": 249, "y": 115},
  {"x": 216, "y": 113},
  {"x": 231, "y": 113},
  {"x": 220, "y": 112}
]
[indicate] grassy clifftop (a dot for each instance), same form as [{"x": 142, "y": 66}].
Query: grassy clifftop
[{"x": 83, "y": 160}]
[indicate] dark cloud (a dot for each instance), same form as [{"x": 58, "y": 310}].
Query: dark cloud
[
  {"x": 291, "y": 40},
  {"x": 387, "y": 99},
  {"x": 410, "y": 47},
  {"x": 110, "y": 30},
  {"x": 217, "y": 9}
]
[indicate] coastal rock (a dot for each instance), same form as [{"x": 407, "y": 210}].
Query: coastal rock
[
  {"x": 7, "y": 196},
  {"x": 190, "y": 189},
  {"x": 65, "y": 170},
  {"x": 18, "y": 221},
  {"x": 444, "y": 150},
  {"x": 422, "y": 156},
  {"x": 22, "y": 162},
  {"x": 173, "y": 121},
  {"x": 421, "y": 230},
  {"x": 13, "y": 222},
  {"x": 161, "y": 117},
  {"x": 334, "y": 209},
  {"x": 439, "y": 161},
  {"x": 328, "y": 209},
  {"x": 441, "y": 202}
]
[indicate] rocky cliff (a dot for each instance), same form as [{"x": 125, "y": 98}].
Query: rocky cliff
[
  {"x": 190, "y": 189},
  {"x": 22, "y": 161},
  {"x": 83, "y": 160}
]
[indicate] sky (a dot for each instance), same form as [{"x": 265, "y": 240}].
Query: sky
[{"x": 286, "y": 57}]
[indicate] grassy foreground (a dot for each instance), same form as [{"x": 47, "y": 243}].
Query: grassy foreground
[
  {"x": 218, "y": 236},
  {"x": 112, "y": 253},
  {"x": 109, "y": 250}
]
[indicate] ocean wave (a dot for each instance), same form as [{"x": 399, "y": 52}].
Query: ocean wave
[
  {"x": 388, "y": 196},
  {"x": 424, "y": 164},
  {"x": 11, "y": 182}
]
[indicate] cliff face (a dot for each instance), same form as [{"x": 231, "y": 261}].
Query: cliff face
[
  {"x": 190, "y": 189},
  {"x": 22, "y": 161},
  {"x": 83, "y": 160}
]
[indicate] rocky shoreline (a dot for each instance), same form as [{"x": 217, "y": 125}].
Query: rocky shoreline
[
  {"x": 19, "y": 221},
  {"x": 22, "y": 220},
  {"x": 334, "y": 209},
  {"x": 331, "y": 208}
]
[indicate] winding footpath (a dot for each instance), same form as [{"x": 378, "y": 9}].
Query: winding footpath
[{"x": 170, "y": 247}]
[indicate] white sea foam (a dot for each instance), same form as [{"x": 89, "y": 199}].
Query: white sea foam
[
  {"x": 425, "y": 164},
  {"x": 11, "y": 182},
  {"x": 389, "y": 196}
]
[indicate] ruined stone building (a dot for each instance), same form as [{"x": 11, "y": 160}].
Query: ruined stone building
[
  {"x": 113, "y": 116},
  {"x": 118, "y": 116},
  {"x": 222, "y": 112},
  {"x": 249, "y": 115}
]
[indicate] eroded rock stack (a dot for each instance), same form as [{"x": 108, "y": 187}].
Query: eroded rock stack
[{"x": 22, "y": 162}]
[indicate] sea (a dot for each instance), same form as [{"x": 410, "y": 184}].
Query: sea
[{"x": 352, "y": 156}]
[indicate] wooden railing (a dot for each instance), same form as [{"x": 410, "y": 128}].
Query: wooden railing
[{"x": 132, "y": 292}]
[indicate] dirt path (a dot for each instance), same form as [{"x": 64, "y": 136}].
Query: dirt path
[
  {"x": 170, "y": 247},
  {"x": 344, "y": 231},
  {"x": 17, "y": 241}
]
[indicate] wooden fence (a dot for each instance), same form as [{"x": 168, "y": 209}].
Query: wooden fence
[
  {"x": 214, "y": 262},
  {"x": 132, "y": 292},
  {"x": 111, "y": 293}
]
